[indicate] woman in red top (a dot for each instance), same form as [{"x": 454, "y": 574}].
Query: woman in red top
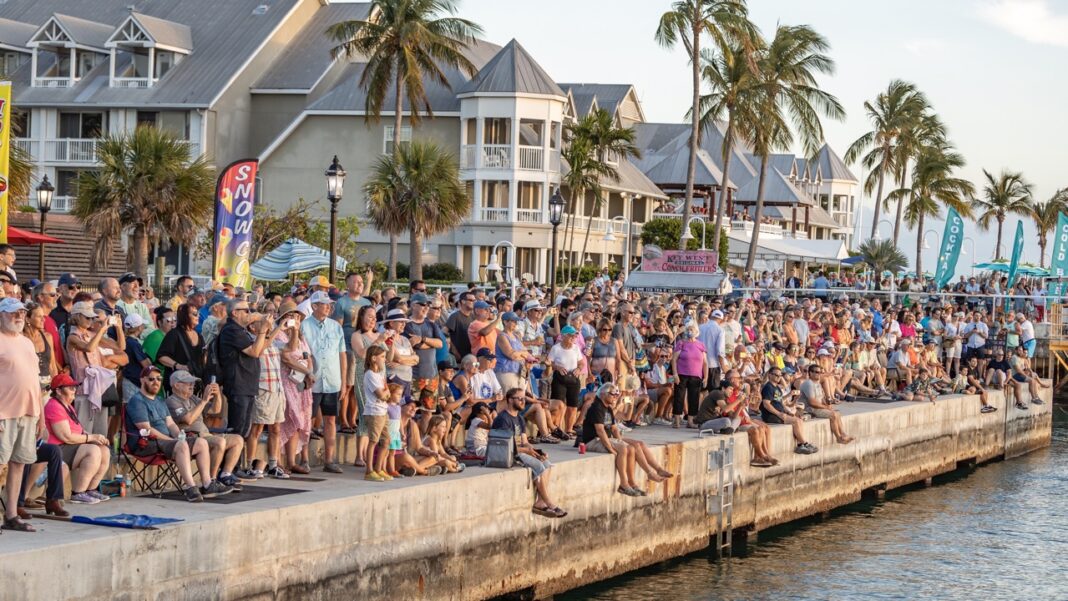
[
  {"x": 736, "y": 409},
  {"x": 87, "y": 454}
]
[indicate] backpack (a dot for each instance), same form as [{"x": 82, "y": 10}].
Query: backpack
[{"x": 500, "y": 451}]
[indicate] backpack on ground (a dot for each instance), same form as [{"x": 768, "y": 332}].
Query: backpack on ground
[{"x": 500, "y": 451}]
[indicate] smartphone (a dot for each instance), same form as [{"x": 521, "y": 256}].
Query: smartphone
[
  {"x": 291, "y": 323},
  {"x": 212, "y": 381}
]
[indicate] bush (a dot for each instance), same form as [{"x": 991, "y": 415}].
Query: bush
[
  {"x": 403, "y": 271},
  {"x": 583, "y": 275},
  {"x": 666, "y": 231},
  {"x": 443, "y": 272}
]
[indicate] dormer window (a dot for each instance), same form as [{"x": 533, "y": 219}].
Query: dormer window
[
  {"x": 144, "y": 49},
  {"x": 66, "y": 49}
]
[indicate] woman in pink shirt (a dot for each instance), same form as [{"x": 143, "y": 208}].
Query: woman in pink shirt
[
  {"x": 87, "y": 454},
  {"x": 690, "y": 364}
]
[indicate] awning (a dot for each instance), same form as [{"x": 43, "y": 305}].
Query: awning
[
  {"x": 661, "y": 282},
  {"x": 788, "y": 249},
  {"x": 25, "y": 237}
]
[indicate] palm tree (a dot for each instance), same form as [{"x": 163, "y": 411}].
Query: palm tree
[
  {"x": 403, "y": 43},
  {"x": 1045, "y": 216},
  {"x": 788, "y": 95},
  {"x": 892, "y": 113},
  {"x": 1008, "y": 193},
  {"x": 421, "y": 185},
  {"x": 933, "y": 185},
  {"x": 147, "y": 183},
  {"x": 732, "y": 84},
  {"x": 925, "y": 129},
  {"x": 883, "y": 255},
  {"x": 686, "y": 22}
]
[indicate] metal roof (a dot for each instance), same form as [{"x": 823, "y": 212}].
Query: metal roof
[
  {"x": 833, "y": 166},
  {"x": 777, "y": 189},
  {"x": 816, "y": 215},
  {"x": 631, "y": 180},
  {"x": 225, "y": 35},
  {"x": 307, "y": 57},
  {"x": 83, "y": 31},
  {"x": 16, "y": 34},
  {"x": 164, "y": 32},
  {"x": 512, "y": 71},
  {"x": 609, "y": 95}
]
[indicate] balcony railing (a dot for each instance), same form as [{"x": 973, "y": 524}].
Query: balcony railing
[
  {"x": 495, "y": 215},
  {"x": 51, "y": 82},
  {"x": 62, "y": 204},
  {"x": 496, "y": 156},
  {"x": 770, "y": 229},
  {"x": 528, "y": 215},
  {"x": 31, "y": 147},
  {"x": 72, "y": 151},
  {"x": 131, "y": 82},
  {"x": 531, "y": 158}
]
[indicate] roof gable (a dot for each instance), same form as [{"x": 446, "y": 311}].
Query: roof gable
[
  {"x": 833, "y": 167},
  {"x": 152, "y": 31},
  {"x": 512, "y": 71},
  {"x": 69, "y": 31}
]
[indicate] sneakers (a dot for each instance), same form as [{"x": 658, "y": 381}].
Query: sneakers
[
  {"x": 332, "y": 468},
  {"x": 661, "y": 422},
  {"x": 192, "y": 494},
  {"x": 727, "y": 430},
  {"x": 1037, "y": 401},
  {"x": 988, "y": 409},
  {"x": 1021, "y": 405},
  {"x": 84, "y": 498},
  {"x": 214, "y": 489},
  {"x": 434, "y": 470},
  {"x": 96, "y": 494},
  {"x": 805, "y": 449},
  {"x": 408, "y": 472},
  {"x": 277, "y": 472},
  {"x": 245, "y": 474},
  {"x": 373, "y": 477},
  {"x": 231, "y": 481},
  {"x": 630, "y": 492},
  {"x": 384, "y": 476}
]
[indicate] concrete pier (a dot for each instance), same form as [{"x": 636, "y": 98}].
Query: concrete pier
[{"x": 472, "y": 535}]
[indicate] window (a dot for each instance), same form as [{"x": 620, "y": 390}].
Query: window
[
  {"x": 470, "y": 127},
  {"x": 164, "y": 61},
  {"x": 554, "y": 135},
  {"x": 497, "y": 131},
  {"x": 528, "y": 195},
  {"x": 530, "y": 132},
  {"x": 14, "y": 60},
  {"x": 81, "y": 125},
  {"x": 20, "y": 123},
  {"x": 387, "y": 138},
  {"x": 495, "y": 194}
]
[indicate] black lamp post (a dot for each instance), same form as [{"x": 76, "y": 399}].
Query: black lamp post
[
  {"x": 44, "y": 205},
  {"x": 556, "y": 213},
  {"x": 335, "y": 186}
]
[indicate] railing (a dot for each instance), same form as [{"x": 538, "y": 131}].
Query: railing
[
  {"x": 51, "y": 82},
  {"x": 62, "y": 204},
  {"x": 31, "y": 147},
  {"x": 493, "y": 215},
  {"x": 468, "y": 156},
  {"x": 131, "y": 82},
  {"x": 531, "y": 158},
  {"x": 528, "y": 215},
  {"x": 70, "y": 150},
  {"x": 496, "y": 156},
  {"x": 798, "y": 235},
  {"x": 554, "y": 161}
]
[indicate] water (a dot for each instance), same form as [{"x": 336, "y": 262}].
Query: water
[{"x": 998, "y": 532}]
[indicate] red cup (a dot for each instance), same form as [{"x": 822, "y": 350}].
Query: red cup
[{"x": 582, "y": 448}]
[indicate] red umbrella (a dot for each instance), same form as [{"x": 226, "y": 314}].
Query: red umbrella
[{"x": 23, "y": 237}]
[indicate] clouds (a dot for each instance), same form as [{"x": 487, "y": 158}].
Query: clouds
[{"x": 1032, "y": 20}]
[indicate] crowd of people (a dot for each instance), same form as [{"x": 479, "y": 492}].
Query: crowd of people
[{"x": 422, "y": 379}]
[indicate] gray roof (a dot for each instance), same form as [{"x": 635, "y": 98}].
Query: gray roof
[
  {"x": 348, "y": 95},
  {"x": 16, "y": 34},
  {"x": 833, "y": 166},
  {"x": 512, "y": 71},
  {"x": 817, "y": 217},
  {"x": 307, "y": 57},
  {"x": 225, "y": 36},
  {"x": 631, "y": 180},
  {"x": 666, "y": 152},
  {"x": 83, "y": 31},
  {"x": 584, "y": 103},
  {"x": 777, "y": 189},
  {"x": 167, "y": 33},
  {"x": 609, "y": 95}
]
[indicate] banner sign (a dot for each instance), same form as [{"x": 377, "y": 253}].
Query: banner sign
[
  {"x": 5, "y": 153},
  {"x": 1058, "y": 267},
  {"x": 952, "y": 239},
  {"x": 679, "y": 261},
  {"x": 1017, "y": 250},
  {"x": 235, "y": 197}
]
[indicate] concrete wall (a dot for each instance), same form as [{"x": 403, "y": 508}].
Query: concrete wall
[{"x": 475, "y": 538}]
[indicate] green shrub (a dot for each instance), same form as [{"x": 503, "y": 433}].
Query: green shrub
[{"x": 443, "y": 272}]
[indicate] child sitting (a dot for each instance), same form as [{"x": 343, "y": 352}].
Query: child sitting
[{"x": 478, "y": 427}]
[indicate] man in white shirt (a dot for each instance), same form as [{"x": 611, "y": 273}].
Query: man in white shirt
[
  {"x": 1026, "y": 329},
  {"x": 732, "y": 329},
  {"x": 711, "y": 335},
  {"x": 976, "y": 332}
]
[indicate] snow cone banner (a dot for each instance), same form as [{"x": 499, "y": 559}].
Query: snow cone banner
[
  {"x": 5, "y": 153},
  {"x": 952, "y": 239},
  {"x": 235, "y": 196},
  {"x": 1059, "y": 263}
]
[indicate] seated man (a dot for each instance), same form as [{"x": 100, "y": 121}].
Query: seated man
[
  {"x": 997, "y": 370},
  {"x": 1024, "y": 377},
  {"x": 150, "y": 430},
  {"x": 601, "y": 435},
  {"x": 188, "y": 412},
  {"x": 812, "y": 396},
  {"x": 779, "y": 406},
  {"x": 537, "y": 462}
]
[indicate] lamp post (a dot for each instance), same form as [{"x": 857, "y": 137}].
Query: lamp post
[
  {"x": 556, "y": 213},
  {"x": 610, "y": 236},
  {"x": 927, "y": 246},
  {"x": 687, "y": 236},
  {"x": 495, "y": 266},
  {"x": 879, "y": 236},
  {"x": 964, "y": 250},
  {"x": 44, "y": 205},
  {"x": 335, "y": 186}
]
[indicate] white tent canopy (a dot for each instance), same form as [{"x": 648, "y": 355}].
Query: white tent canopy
[{"x": 774, "y": 253}]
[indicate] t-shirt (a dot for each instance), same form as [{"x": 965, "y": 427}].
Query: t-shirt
[
  {"x": 477, "y": 439},
  {"x": 151, "y": 344},
  {"x": 20, "y": 386},
  {"x": 774, "y": 394},
  {"x": 403, "y": 348},
  {"x": 1027, "y": 330},
  {"x": 241, "y": 373},
  {"x": 598, "y": 413},
  {"x": 140, "y": 409},
  {"x": 345, "y": 311},
  {"x": 691, "y": 358},
  {"x": 513, "y": 423},
  {"x": 54, "y": 413},
  {"x": 1002, "y": 365},
  {"x": 811, "y": 391},
  {"x": 135, "y": 353},
  {"x": 457, "y": 324},
  {"x": 373, "y": 381},
  {"x": 478, "y": 341},
  {"x": 179, "y": 407},
  {"x": 567, "y": 358},
  {"x": 484, "y": 385},
  {"x": 427, "y": 367}
]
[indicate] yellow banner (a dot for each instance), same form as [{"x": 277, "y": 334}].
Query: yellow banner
[{"x": 5, "y": 153}]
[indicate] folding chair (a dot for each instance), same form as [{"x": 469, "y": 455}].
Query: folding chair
[{"x": 142, "y": 476}]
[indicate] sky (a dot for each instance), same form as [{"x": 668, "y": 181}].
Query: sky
[{"x": 992, "y": 69}]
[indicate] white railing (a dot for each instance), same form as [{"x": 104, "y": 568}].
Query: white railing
[
  {"x": 528, "y": 215},
  {"x": 494, "y": 215},
  {"x": 62, "y": 204},
  {"x": 131, "y": 82},
  {"x": 51, "y": 82},
  {"x": 496, "y": 156},
  {"x": 770, "y": 229},
  {"x": 531, "y": 158},
  {"x": 31, "y": 147},
  {"x": 70, "y": 150},
  {"x": 468, "y": 156},
  {"x": 798, "y": 235}
]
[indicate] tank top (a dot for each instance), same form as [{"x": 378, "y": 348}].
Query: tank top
[
  {"x": 604, "y": 350},
  {"x": 504, "y": 364},
  {"x": 43, "y": 357}
]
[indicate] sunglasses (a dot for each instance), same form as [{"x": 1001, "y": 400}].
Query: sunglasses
[
  {"x": 154, "y": 379},
  {"x": 605, "y": 330}
]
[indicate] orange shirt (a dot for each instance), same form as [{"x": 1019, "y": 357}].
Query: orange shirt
[
  {"x": 20, "y": 388},
  {"x": 477, "y": 340}
]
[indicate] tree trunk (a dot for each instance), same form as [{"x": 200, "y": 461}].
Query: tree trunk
[
  {"x": 139, "y": 252},
  {"x": 415, "y": 254},
  {"x": 878, "y": 204},
  {"x": 578, "y": 199},
  {"x": 398, "y": 119},
  {"x": 919, "y": 248},
  {"x": 722, "y": 206},
  {"x": 1042, "y": 251},
  {"x": 695, "y": 120},
  {"x": 900, "y": 207},
  {"x": 997, "y": 247},
  {"x": 758, "y": 213},
  {"x": 586, "y": 239}
]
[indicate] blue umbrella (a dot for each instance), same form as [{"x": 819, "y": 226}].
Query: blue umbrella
[
  {"x": 853, "y": 260},
  {"x": 293, "y": 256},
  {"x": 1033, "y": 271},
  {"x": 999, "y": 267}
]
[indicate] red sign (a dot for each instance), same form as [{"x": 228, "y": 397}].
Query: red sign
[{"x": 679, "y": 261}]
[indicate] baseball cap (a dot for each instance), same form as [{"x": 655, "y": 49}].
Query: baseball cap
[
  {"x": 396, "y": 315},
  {"x": 509, "y": 316},
  {"x": 823, "y": 352},
  {"x": 568, "y": 331},
  {"x": 148, "y": 370},
  {"x": 6, "y": 276},
  {"x": 84, "y": 308},
  {"x": 319, "y": 280},
  {"x": 532, "y": 305},
  {"x": 321, "y": 298},
  {"x": 130, "y": 276},
  {"x": 67, "y": 279},
  {"x": 482, "y": 305},
  {"x": 484, "y": 352},
  {"x": 61, "y": 380},
  {"x": 717, "y": 314},
  {"x": 181, "y": 376},
  {"x": 448, "y": 363},
  {"x": 133, "y": 320},
  {"x": 11, "y": 305},
  {"x": 420, "y": 298}
]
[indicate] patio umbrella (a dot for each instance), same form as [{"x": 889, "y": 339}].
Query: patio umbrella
[
  {"x": 293, "y": 256},
  {"x": 999, "y": 267},
  {"x": 25, "y": 237},
  {"x": 1034, "y": 272}
]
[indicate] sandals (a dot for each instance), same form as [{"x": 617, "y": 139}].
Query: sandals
[
  {"x": 18, "y": 525},
  {"x": 299, "y": 469},
  {"x": 665, "y": 474},
  {"x": 549, "y": 512}
]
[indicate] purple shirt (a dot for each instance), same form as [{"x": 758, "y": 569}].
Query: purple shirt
[{"x": 691, "y": 358}]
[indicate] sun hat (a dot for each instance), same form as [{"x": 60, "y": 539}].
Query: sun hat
[
  {"x": 319, "y": 280},
  {"x": 84, "y": 308},
  {"x": 321, "y": 298},
  {"x": 395, "y": 315}
]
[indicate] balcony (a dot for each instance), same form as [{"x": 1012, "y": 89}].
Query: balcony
[
  {"x": 131, "y": 82},
  {"x": 62, "y": 204},
  {"x": 746, "y": 227},
  {"x": 72, "y": 151},
  {"x": 500, "y": 156},
  {"x": 52, "y": 82},
  {"x": 528, "y": 215},
  {"x": 493, "y": 215},
  {"x": 531, "y": 158}
]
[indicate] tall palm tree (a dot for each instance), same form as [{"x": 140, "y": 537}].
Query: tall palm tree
[
  {"x": 584, "y": 173},
  {"x": 147, "y": 183},
  {"x": 891, "y": 114},
  {"x": 732, "y": 82},
  {"x": 789, "y": 96},
  {"x": 925, "y": 129},
  {"x": 404, "y": 42},
  {"x": 883, "y": 255},
  {"x": 934, "y": 186},
  {"x": 420, "y": 184},
  {"x": 1007, "y": 193},
  {"x": 1045, "y": 216},
  {"x": 724, "y": 21}
]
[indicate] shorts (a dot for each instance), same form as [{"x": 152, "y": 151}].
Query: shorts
[
  {"x": 565, "y": 388},
  {"x": 715, "y": 378},
  {"x": 534, "y": 464},
  {"x": 510, "y": 380},
  {"x": 269, "y": 408},
  {"x": 166, "y": 447},
  {"x": 596, "y": 446},
  {"x": 239, "y": 416},
  {"x": 394, "y": 431},
  {"x": 822, "y": 413},
  {"x": 377, "y": 430},
  {"x": 716, "y": 424},
  {"x": 1019, "y": 378},
  {"x": 953, "y": 351},
  {"x": 1030, "y": 346},
  {"x": 18, "y": 441},
  {"x": 67, "y": 452},
  {"x": 325, "y": 403}
]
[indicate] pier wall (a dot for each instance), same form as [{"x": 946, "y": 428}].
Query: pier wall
[{"x": 475, "y": 537}]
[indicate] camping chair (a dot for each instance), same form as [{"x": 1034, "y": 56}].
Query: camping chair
[{"x": 164, "y": 478}]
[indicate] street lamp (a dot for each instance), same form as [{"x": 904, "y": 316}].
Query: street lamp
[
  {"x": 610, "y": 236},
  {"x": 556, "y": 214},
  {"x": 687, "y": 236},
  {"x": 964, "y": 250},
  {"x": 44, "y": 205},
  {"x": 927, "y": 246},
  {"x": 335, "y": 186},
  {"x": 495, "y": 266},
  {"x": 877, "y": 235}
]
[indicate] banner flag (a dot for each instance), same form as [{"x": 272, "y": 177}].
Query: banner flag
[
  {"x": 5, "y": 154},
  {"x": 1017, "y": 250},
  {"x": 952, "y": 239},
  {"x": 235, "y": 197},
  {"x": 1058, "y": 266}
]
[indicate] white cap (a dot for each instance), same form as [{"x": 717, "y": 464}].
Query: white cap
[
  {"x": 822, "y": 352},
  {"x": 717, "y": 314},
  {"x": 133, "y": 320},
  {"x": 321, "y": 297}
]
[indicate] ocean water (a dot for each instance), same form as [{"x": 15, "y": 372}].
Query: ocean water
[{"x": 995, "y": 532}]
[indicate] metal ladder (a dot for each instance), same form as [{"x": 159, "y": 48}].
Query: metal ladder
[{"x": 719, "y": 494}]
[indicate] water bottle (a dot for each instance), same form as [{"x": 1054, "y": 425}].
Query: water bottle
[{"x": 120, "y": 482}]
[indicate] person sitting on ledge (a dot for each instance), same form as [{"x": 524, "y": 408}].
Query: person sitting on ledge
[
  {"x": 812, "y": 395},
  {"x": 188, "y": 412},
  {"x": 997, "y": 370},
  {"x": 536, "y": 461},
  {"x": 1022, "y": 375}
]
